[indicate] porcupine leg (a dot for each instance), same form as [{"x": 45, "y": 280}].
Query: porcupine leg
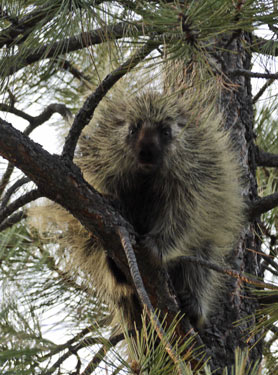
[{"x": 192, "y": 284}]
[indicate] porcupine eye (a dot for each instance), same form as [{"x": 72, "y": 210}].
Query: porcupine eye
[
  {"x": 133, "y": 129},
  {"x": 166, "y": 133}
]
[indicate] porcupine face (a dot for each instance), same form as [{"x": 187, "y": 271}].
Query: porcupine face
[{"x": 150, "y": 142}]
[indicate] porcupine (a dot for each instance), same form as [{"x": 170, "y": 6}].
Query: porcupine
[{"x": 175, "y": 174}]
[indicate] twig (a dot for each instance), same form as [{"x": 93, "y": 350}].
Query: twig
[
  {"x": 264, "y": 46},
  {"x": 41, "y": 118},
  {"x": 12, "y": 220},
  {"x": 86, "y": 112},
  {"x": 139, "y": 285},
  {"x": 11, "y": 109},
  {"x": 68, "y": 66},
  {"x": 73, "y": 349},
  {"x": 230, "y": 272},
  {"x": 22, "y": 181},
  {"x": 249, "y": 73},
  {"x": 98, "y": 357},
  {"x": 46, "y": 114},
  {"x": 20, "y": 202},
  {"x": 6, "y": 177},
  {"x": 262, "y": 90}
]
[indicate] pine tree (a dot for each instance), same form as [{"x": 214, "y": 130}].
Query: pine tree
[{"x": 64, "y": 57}]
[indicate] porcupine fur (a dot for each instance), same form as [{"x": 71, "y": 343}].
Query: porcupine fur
[{"x": 174, "y": 171}]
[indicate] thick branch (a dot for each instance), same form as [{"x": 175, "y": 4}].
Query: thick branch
[
  {"x": 265, "y": 159},
  {"x": 86, "y": 112},
  {"x": 61, "y": 181},
  {"x": 34, "y": 121},
  {"x": 57, "y": 180},
  {"x": 262, "y": 205}
]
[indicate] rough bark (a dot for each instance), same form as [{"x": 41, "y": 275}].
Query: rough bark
[{"x": 223, "y": 336}]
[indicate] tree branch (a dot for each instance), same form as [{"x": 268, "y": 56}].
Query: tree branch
[
  {"x": 265, "y": 159},
  {"x": 12, "y": 220},
  {"x": 262, "y": 205},
  {"x": 73, "y": 349},
  {"x": 262, "y": 90},
  {"x": 26, "y": 24},
  {"x": 11, "y": 109},
  {"x": 46, "y": 114},
  {"x": 61, "y": 181},
  {"x": 98, "y": 357},
  {"x": 229, "y": 272},
  {"x": 41, "y": 118},
  {"x": 6, "y": 178},
  {"x": 86, "y": 112},
  {"x": 22, "y": 181},
  {"x": 68, "y": 66},
  {"x": 250, "y": 74},
  {"x": 85, "y": 39},
  {"x": 20, "y": 29},
  {"x": 264, "y": 46},
  {"x": 18, "y": 203},
  {"x": 144, "y": 298},
  {"x": 34, "y": 121}
]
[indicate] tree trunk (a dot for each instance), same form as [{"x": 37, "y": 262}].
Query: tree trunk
[{"x": 230, "y": 326}]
